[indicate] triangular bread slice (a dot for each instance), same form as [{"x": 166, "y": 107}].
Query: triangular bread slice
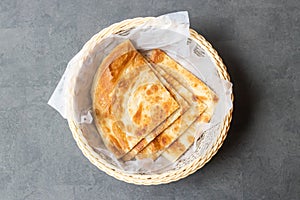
[
  {"x": 128, "y": 99},
  {"x": 184, "y": 106},
  {"x": 201, "y": 92},
  {"x": 168, "y": 136}
]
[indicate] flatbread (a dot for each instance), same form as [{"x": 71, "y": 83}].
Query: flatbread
[
  {"x": 168, "y": 136},
  {"x": 129, "y": 101},
  {"x": 184, "y": 106},
  {"x": 202, "y": 93}
]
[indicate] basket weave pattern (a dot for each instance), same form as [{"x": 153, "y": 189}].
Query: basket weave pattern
[{"x": 169, "y": 176}]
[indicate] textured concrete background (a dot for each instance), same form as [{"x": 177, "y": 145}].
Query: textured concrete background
[{"x": 259, "y": 42}]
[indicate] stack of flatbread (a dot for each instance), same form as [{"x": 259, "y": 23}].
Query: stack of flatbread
[{"x": 146, "y": 105}]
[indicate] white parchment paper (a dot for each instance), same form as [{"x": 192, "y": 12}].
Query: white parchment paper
[{"x": 170, "y": 33}]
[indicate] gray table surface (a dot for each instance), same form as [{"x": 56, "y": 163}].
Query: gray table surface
[{"x": 259, "y": 42}]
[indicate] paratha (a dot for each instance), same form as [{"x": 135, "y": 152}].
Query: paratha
[
  {"x": 168, "y": 136},
  {"x": 128, "y": 99},
  {"x": 201, "y": 91}
]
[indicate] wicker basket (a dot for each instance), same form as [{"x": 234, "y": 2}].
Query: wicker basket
[{"x": 172, "y": 175}]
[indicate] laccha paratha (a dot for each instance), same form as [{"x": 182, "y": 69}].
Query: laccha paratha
[{"x": 129, "y": 101}]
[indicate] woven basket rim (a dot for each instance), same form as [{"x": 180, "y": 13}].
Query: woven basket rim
[{"x": 165, "y": 177}]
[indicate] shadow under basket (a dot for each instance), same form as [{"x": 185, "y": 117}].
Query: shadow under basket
[{"x": 185, "y": 169}]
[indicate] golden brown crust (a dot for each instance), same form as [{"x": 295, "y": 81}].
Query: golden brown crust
[{"x": 123, "y": 111}]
